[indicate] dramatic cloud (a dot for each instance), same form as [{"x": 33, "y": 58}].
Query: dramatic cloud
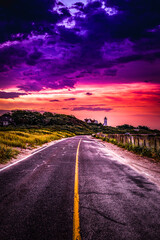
[
  {"x": 59, "y": 45},
  {"x": 69, "y": 99},
  {"x": 89, "y": 93},
  {"x": 20, "y": 18},
  {"x": 7, "y": 95},
  {"x": 95, "y": 109},
  {"x": 54, "y": 100},
  {"x": 11, "y": 56}
]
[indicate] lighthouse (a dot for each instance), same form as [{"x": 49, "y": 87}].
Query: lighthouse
[{"x": 105, "y": 122}]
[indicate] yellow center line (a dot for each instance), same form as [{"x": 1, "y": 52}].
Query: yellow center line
[{"x": 76, "y": 224}]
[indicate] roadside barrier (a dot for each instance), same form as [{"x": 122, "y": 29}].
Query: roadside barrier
[{"x": 145, "y": 144}]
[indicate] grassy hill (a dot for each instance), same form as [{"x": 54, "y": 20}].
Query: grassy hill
[{"x": 21, "y": 119}]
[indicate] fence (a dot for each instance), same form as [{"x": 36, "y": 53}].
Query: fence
[{"x": 142, "y": 140}]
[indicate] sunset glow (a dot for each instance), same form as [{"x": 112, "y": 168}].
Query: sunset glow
[{"x": 90, "y": 59}]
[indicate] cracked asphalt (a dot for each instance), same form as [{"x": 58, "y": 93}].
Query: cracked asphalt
[{"x": 115, "y": 201}]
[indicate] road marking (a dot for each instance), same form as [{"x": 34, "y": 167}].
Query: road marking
[
  {"x": 126, "y": 162},
  {"x": 76, "y": 224},
  {"x": 37, "y": 151}
]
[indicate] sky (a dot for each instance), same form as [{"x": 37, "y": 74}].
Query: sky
[{"x": 86, "y": 58}]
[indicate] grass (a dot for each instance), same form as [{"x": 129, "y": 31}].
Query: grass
[
  {"x": 7, "y": 153},
  {"x": 142, "y": 151},
  {"x": 11, "y": 141}
]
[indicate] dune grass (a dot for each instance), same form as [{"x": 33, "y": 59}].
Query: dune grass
[
  {"x": 11, "y": 142},
  {"x": 7, "y": 153}
]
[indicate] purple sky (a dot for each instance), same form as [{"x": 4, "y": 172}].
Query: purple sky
[{"x": 55, "y": 45}]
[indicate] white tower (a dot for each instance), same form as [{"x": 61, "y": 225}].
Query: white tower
[{"x": 105, "y": 122}]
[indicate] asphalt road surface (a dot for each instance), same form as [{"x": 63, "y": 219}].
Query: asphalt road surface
[{"x": 37, "y": 196}]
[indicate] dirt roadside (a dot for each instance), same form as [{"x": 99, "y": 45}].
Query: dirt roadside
[
  {"x": 144, "y": 165},
  {"x": 24, "y": 153}
]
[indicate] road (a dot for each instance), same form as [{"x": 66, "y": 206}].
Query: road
[{"x": 38, "y": 196}]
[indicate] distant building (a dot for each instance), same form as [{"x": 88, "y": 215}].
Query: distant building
[
  {"x": 136, "y": 129},
  {"x": 105, "y": 122},
  {"x": 88, "y": 120},
  {"x": 95, "y": 121}
]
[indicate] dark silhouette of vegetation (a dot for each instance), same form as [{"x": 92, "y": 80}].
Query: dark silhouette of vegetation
[
  {"x": 125, "y": 127},
  {"x": 144, "y": 128},
  {"x": 62, "y": 122},
  {"x": 58, "y": 122}
]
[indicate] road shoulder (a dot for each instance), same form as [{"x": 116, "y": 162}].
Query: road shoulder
[
  {"x": 142, "y": 165},
  {"x": 24, "y": 153}
]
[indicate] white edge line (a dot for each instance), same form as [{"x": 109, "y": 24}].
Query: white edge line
[
  {"x": 115, "y": 154},
  {"x": 41, "y": 149},
  {"x": 125, "y": 162},
  {"x": 110, "y": 151}
]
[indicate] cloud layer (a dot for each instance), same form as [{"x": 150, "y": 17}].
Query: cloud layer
[
  {"x": 7, "y": 95},
  {"x": 45, "y": 44}
]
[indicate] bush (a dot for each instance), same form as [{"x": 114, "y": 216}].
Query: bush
[{"x": 147, "y": 152}]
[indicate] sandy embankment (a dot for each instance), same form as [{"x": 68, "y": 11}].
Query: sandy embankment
[{"x": 144, "y": 165}]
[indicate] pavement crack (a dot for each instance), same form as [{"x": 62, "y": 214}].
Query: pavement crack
[
  {"x": 40, "y": 165},
  {"x": 103, "y": 215}
]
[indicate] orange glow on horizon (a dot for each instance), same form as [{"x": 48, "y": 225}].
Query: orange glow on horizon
[{"x": 136, "y": 103}]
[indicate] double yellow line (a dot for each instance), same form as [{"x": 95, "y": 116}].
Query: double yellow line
[{"x": 76, "y": 223}]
